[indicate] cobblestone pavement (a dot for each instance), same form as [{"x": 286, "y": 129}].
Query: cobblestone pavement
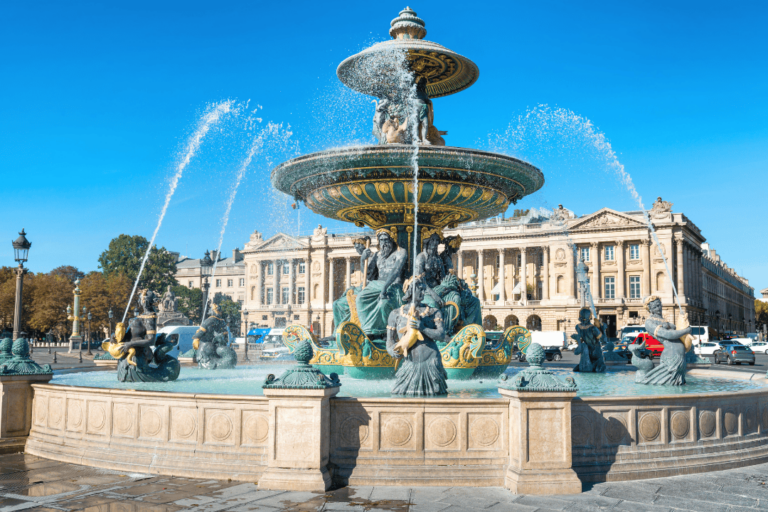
[{"x": 32, "y": 483}]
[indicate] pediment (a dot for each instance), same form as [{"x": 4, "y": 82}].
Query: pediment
[
  {"x": 607, "y": 218},
  {"x": 281, "y": 242}
]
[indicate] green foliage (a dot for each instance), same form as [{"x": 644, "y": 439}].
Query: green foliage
[
  {"x": 230, "y": 311},
  {"x": 124, "y": 256},
  {"x": 190, "y": 302},
  {"x": 761, "y": 313},
  {"x": 99, "y": 293},
  {"x": 68, "y": 272}
]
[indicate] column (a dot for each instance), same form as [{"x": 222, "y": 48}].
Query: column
[
  {"x": 646, "y": 256},
  {"x": 545, "y": 272},
  {"x": 349, "y": 272},
  {"x": 276, "y": 279},
  {"x": 330, "y": 280},
  {"x": 680, "y": 268},
  {"x": 480, "y": 276},
  {"x": 292, "y": 290},
  {"x": 460, "y": 264},
  {"x": 597, "y": 289},
  {"x": 307, "y": 285},
  {"x": 523, "y": 275},
  {"x": 502, "y": 277},
  {"x": 620, "y": 266},
  {"x": 571, "y": 270}
]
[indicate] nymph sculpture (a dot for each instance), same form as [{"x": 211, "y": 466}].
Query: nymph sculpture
[
  {"x": 210, "y": 342},
  {"x": 641, "y": 359},
  {"x": 384, "y": 294},
  {"x": 671, "y": 368},
  {"x": 588, "y": 337},
  {"x": 411, "y": 333},
  {"x": 137, "y": 362},
  {"x": 345, "y": 307}
]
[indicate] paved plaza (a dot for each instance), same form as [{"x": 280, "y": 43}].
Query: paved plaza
[{"x": 31, "y": 483}]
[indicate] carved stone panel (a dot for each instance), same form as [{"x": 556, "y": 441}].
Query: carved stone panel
[
  {"x": 152, "y": 422},
  {"x": 731, "y": 421},
  {"x": 124, "y": 419},
  {"x": 354, "y": 432},
  {"x": 41, "y": 409},
  {"x": 96, "y": 417},
  {"x": 295, "y": 434},
  {"x": 707, "y": 424},
  {"x": 542, "y": 446},
  {"x": 582, "y": 434},
  {"x": 56, "y": 412},
  {"x": 75, "y": 415},
  {"x": 255, "y": 429},
  {"x": 750, "y": 419},
  {"x": 484, "y": 431},
  {"x": 398, "y": 431},
  {"x": 183, "y": 427},
  {"x": 649, "y": 427},
  {"x": 442, "y": 431},
  {"x": 17, "y": 403},
  {"x": 680, "y": 421},
  {"x": 219, "y": 427},
  {"x": 615, "y": 428}
]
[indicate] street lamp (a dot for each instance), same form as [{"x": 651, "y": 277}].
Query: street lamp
[
  {"x": 20, "y": 253},
  {"x": 72, "y": 315},
  {"x": 111, "y": 315},
  {"x": 89, "y": 334},
  {"x": 206, "y": 269},
  {"x": 245, "y": 314}
]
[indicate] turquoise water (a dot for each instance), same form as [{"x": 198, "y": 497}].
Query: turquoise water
[{"x": 248, "y": 380}]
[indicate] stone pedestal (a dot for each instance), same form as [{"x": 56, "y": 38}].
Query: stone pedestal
[
  {"x": 75, "y": 342},
  {"x": 540, "y": 443},
  {"x": 16, "y": 395},
  {"x": 299, "y": 439}
]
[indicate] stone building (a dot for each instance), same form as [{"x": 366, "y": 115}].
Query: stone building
[
  {"x": 524, "y": 270},
  {"x": 229, "y": 278}
]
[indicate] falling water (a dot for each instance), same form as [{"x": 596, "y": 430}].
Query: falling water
[
  {"x": 256, "y": 146},
  {"x": 209, "y": 119},
  {"x": 545, "y": 126}
]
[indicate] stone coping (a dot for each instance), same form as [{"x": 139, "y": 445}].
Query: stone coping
[{"x": 151, "y": 394}]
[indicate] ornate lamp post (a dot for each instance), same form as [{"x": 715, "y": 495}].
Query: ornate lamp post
[
  {"x": 245, "y": 315},
  {"x": 20, "y": 252},
  {"x": 111, "y": 316},
  {"x": 72, "y": 316},
  {"x": 89, "y": 334},
  {"x": 206, "y": 269}
]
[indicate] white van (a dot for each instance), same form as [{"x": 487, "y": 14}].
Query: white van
[
  {"x": 631, "y": 330},
  {"x": 550, "y": 339},
  {"x": 182, "y": 334},
  {"x": 700, "y": 334}
]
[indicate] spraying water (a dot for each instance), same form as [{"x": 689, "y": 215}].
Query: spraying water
[{"x": 209, "y": 119}]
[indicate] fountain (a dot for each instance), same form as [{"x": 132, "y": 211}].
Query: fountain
[
  {"x": 408, "y": 188},
  {"x": 308, "y": 429}
]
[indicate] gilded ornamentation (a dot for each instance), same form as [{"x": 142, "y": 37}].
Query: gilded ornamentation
[
  {"x": 501, "y": 354},
  {"x": 358, "y": 350},
  {"x": 446, "y": 219},
  {"x": 464, "y": 349}
]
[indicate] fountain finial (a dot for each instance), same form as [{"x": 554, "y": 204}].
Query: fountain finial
[{"x": 407, "y": 26}]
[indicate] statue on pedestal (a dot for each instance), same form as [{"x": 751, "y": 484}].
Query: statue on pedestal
[
  {"x": 411, "y": 333},
  {"x": 588, "y": 337},
  {"x": 169, "y": 311},
  {"x": 211, "y": 343},
  {"x": 133, "y": 347},
  {"x": 671, "y": 368},
  {"x": 382, "y": 295}
]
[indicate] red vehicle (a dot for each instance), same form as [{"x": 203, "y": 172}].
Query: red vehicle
[{"x": 652, "y": 345}]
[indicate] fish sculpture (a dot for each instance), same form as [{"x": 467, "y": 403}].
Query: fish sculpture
[
  {"x": 115, "y": 348},
  {"x": 410, "y": 335}
]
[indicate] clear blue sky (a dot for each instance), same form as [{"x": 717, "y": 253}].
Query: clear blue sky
[{"x": 98, "y": 98}]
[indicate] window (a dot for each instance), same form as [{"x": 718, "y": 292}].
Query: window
[
  {"x": 264, "y": 317},
  {"x": 519, "y": 260},
  {"x": 634, "y": 252},
  {"x": 302, "y": 267},
  {"x": 295, "y": 317},
  {"x": 634, "y": 287},
  {"x": 609, "y": 253},
  {"x": 300, "y": 295},
  {"x": 610, "y": 287},
  {"x": 584, "y": 253},
  {"x": 218, "y": 283},
  {"x": 270, "y": 268},
  {"x": 286, "y": 268},
  {"x": 285, "y": 298},
  {"x": 242, "y": 281},
  {"x": 229, "y": 283},
  {"x": 270, "y": 296},
  {"x": 191, "y": 284}
]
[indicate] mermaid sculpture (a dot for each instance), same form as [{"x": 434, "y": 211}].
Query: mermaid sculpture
[
  {"x": 411, "y": 333},
  {"x": 641, "y": 359},
  {"x": 671, "y": 368},
  {"x": 588, "y": 337},
  {"x": 210, "y": 342},
  {"x": 137, "y": 362},
  {"x": 345, "y": 308}
]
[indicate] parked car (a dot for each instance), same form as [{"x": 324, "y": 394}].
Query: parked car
[
  {"x": 700, "y": 334},
  {"x": 550, "y": 338},
  {"x": 552, "y": 354},
  {"x": 747, "y": 342},
  {"x": 759, "y": 346},
  {"x": 734, "y": 354},
  {"x": 181, "y": 335},
  {"x": 707, "y": 348},
  {"x": 632, "y": 330},
  {"x": 652, "y": 345}
]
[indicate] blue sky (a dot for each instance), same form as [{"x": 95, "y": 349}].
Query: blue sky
[{"x": 98, "y": 98}]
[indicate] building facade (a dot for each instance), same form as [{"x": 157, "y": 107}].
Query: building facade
[
  {"x": 524, "y": 270},
  {"x": 229, "y": 277}
]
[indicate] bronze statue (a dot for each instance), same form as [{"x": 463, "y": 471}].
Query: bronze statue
[
  {"x": 211, "y": 343},
  {"x": 672, "y": 365},
  {"x": 588, "y": 337}
]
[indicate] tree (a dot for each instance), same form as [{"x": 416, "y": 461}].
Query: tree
[
  {"x": 8, "y": 300},
  {"x": 124, "y": 256},
  {"x": 190, "y": 302},
  {"x": 50, "y": 296},
  {"x": 761, "y": 314},
  {"x": 230, "y": 311},
  {"x": 68, "y": 272},
  {"x": 100, "y": 293}
]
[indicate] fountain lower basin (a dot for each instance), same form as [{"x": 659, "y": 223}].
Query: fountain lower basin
[{"x": 463, "y": 439}]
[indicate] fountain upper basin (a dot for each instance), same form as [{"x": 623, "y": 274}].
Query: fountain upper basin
[{"x": 372, "y": 185}]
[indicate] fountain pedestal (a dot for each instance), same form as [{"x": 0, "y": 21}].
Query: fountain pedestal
[{"x": 299, "y": 440}]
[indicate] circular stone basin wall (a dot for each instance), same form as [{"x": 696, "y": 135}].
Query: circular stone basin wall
[{"x": 388, "y": 441}]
